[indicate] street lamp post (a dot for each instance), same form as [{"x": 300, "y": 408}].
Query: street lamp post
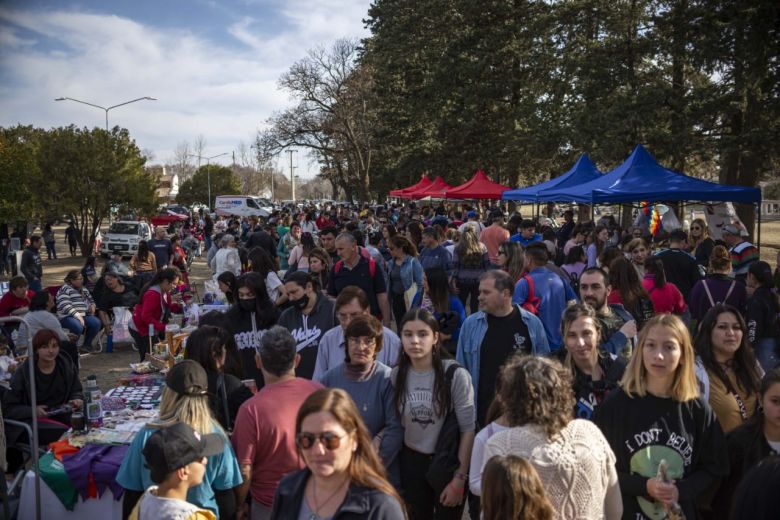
[
  {"x": 208, "y": 169},
  {"x": 106, "y": 109}
]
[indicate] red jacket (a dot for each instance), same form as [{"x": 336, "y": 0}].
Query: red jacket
[
  {"x": 667, "y": 299},
  {"x": 151, "y": 310},
  {"x": 9, "y": 302}
]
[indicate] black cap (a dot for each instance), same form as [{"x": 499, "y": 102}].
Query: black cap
[
  {"x": 188, "y": 378},
  {"x": 171, "y": 448}
]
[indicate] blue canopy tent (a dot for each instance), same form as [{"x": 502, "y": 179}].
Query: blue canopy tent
[
  {"x": 640, "y": 178},
  {"x": 583, "y": 171}
]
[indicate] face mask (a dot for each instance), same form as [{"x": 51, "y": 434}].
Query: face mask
[
  {"x": 300, "y": 303},
  {"x": 248, "y": 304}
]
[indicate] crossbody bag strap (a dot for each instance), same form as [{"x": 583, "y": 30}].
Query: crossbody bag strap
[{"x": 731, "y": 288}]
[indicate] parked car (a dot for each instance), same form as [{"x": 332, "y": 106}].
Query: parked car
[{"x": 123, "y": 237}]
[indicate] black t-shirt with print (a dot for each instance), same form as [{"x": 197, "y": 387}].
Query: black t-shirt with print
[{"x": 504, "y": 337}]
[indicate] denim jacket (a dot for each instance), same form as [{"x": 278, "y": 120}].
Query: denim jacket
[
  {"x": 411, "y": 271},
  {"x": 473, "y": 332}
]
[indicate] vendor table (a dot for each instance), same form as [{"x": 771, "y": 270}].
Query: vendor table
[{"x": 104, "y": 507}]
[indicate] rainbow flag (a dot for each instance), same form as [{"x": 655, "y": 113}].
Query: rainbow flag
[{"x": 650, "y": 211}]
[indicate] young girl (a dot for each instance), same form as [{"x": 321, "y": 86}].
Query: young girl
[
  {"x": 319, "y": 266},
  {"x": 598, "y": 243},
  {"x": 512, "y": 490},
  {"x": 658, "y": 415},
  {"x": 423, "y": 401}
]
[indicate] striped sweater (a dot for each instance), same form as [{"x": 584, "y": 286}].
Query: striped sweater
[
  {"x": 73, "y": 302},
  {"x": 742, "y": 255}
]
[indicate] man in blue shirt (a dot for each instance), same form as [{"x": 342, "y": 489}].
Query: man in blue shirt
[
  {"x": 434, "y": 254},
  {"x": 553, "y": 294},
  {"x": 527, "y": 233}
]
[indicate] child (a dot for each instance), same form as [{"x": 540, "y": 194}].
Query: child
[
  {"x": 511, "y": 489},
  {"x": 176, "y": 457}
]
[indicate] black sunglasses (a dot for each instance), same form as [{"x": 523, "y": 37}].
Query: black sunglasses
[{"x": 331, "y": 441}]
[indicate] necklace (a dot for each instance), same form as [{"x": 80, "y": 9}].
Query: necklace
[{"x": 315, "y": 514}]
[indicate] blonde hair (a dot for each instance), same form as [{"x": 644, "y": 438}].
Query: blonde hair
[
  {"x": 705, "y": 233},
  {"x": 684, "y": 386},
  {"x": 192, "y": 410}
]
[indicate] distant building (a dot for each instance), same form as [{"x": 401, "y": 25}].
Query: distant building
[{"x": 167, "y": 185}]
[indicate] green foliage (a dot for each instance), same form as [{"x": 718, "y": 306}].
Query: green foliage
[
  {"x": 195, "y": 190},
  {"x": 772, "y": 191},
  {"x": 18, "y": 173},
  {"x": 83, "y": 173},
  {"x": 77, "y": 172},
  {"x": 520, "y": 88}
]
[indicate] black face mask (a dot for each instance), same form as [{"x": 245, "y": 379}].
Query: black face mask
[
  {"x": 300, "y": 303},
  {"x": 248, "y": 304}
]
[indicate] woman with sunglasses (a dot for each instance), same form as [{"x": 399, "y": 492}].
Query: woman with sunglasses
[
  {"x": 367, "y": 381},
  {"x": 343, "y": 476},
  {"x": 424, "y": 398},
  {"x": 700, "y": 241},
  {"x": 657, "y": 414},
  {"x": 511, "y": 259}
]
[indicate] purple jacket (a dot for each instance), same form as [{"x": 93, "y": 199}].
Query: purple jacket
[{"x": 719, "y": 285}]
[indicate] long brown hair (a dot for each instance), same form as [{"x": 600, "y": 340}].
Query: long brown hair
[
  {"x": 365, "y": 468},
  {"x": 625, "y": 280},
  {"x": 512, "y": 490}
]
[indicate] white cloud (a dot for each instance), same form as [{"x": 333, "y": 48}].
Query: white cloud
[{"x": 224, "y": 92}]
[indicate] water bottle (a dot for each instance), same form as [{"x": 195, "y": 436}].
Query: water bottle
[
  {"x": 109, "y": 343},
  {"x": 93, "y": 404}
]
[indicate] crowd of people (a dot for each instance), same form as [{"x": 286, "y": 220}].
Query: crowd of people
[{"x": 399, "y": 362}]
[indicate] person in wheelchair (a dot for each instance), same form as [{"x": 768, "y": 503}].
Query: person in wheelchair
[{"x": 58, "y": 393}]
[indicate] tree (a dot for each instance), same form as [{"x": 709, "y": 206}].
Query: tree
[
  {"x": 18, "y": 172},
  {"x": 333, "y": 117},
  {"x": 90, "y": 171},
  {"x": 196, "y": 189}
]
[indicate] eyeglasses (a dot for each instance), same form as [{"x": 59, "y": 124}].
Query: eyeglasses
[
  {"x": 362, "y": 342},
  {"x": 330, "y": 440},
  {"x": 346, "y": 317},
  {"x": 695, "y": 227}
]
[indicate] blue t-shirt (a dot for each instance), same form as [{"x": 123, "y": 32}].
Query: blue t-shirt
[
  {"x": 553, "y": 295},
  {"x": 222, "y": 473},
  {"x": 525, "y": 241}
]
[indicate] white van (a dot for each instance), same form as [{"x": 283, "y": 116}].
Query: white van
[
  {"x": 241, "y": 206},
  {"x": 123, "y": 237}
]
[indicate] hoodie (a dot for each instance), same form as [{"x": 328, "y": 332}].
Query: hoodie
[{"x": 308, "y": 330}]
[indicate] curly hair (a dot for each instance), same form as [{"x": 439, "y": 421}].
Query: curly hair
[{"x": 538, "y": 391}]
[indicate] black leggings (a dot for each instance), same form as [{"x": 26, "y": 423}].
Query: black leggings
[
  {"x": 142, "y": 342},
  {"x": 399, "y": 309},
  {"x": 421, "y": 500},
  {"x": 466, "y": 288}
]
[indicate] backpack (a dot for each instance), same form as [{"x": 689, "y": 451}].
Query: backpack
[
  {"x": 365, "y": 254},
  {"x": 532, "y": 302},
  {"x": 574, "y": 281}
]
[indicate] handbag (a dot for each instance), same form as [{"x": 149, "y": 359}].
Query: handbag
[
  {"x": 445, "y": 458},
  {"x": 409, "y": 295},
  {"x": 120, "y": 329}
]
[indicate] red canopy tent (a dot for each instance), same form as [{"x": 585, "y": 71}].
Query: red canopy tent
[
  {"x": 478, "y": 187},
  {"x": 423, "y": 183},
  {"x": 435, "y": 190}
]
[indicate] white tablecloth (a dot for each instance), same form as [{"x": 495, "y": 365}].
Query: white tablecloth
[{"x": 104, "y": 508}]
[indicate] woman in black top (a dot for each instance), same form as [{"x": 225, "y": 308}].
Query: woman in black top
[
  {"x": 207, "y": 345},
  {"x": 752, "y": 442},
  {"x": 701, "y": 243},
  {"x": 249, "y": 318},
  {"x": 761, "y": 316},
  {"x": 343, "y": 477},
  {"x": 595, "y": 372}
]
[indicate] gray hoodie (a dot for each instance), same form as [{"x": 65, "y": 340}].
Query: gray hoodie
[{"x": 308, "y": 330}]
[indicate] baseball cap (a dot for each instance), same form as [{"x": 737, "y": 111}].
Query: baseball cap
[
  {"x": 171, "y": 448},
  {"x": 188, "y": 378},
  {"x": 471, "y": 214},
  {"x": 731, "y": 229}
]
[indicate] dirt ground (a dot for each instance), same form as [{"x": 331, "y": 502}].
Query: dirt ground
[{"x": 110, "y": 367}]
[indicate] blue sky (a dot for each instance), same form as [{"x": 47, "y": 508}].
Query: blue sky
[{"x": 212, "y": 65}]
